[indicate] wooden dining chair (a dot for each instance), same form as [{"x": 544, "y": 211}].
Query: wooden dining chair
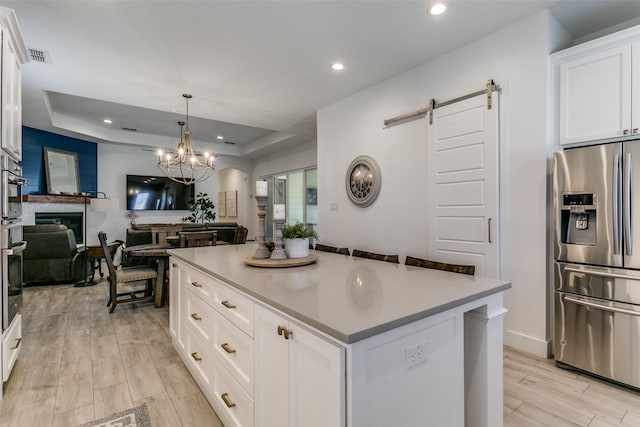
[
  {"x": 455, "y": 268},
  {"x": 332, "y": 249},
  {"x": 191, "y": 239},
  {"x": 160, "y": 233},
  {"x": 240, "y": 237},
  {"x": 373, "y": 255},
  {"x": 127, "y": 275}
]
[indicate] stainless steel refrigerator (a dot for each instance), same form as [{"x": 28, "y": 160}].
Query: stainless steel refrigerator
[{"x": 597, "y": 260}]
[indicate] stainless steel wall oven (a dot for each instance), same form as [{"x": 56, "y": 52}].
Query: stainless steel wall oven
[
  {"x": 12, "y": 247},
  {"x": 11, "y": 194},
  {"x": 12, "y": 244}
]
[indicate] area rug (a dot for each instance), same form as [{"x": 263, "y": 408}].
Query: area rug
[{"x": 133, "y": 417}]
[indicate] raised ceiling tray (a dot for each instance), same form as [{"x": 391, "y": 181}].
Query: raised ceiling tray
[{"x": 289, "y": 262}]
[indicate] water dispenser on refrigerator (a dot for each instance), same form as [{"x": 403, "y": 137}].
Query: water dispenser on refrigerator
[{"x": 578, "y": 215}]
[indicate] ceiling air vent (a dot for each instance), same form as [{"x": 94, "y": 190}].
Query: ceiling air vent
[
  {"x": 230, "y": 143},
  {"x": 130, "y": 129},
  {"x": 38, "y": 55}
]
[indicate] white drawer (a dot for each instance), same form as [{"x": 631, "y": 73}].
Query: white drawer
[
  {"x": 11, "y": 345},
  {"x": 200, "y": 361},
  {"x": 231, "y": 304},
  {"x": 235, "y": 350},
  {"x": 234, "y": 306},
  {"x": 200, "y": 316},
  {"x": 233, "y": 405},
  {"x": 199, "y": 283}
]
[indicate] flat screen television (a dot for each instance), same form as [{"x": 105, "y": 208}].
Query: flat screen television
[{"x": 157, "y": 193}]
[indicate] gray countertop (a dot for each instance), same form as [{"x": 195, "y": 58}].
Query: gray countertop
[{"x": 348, "y": 298}]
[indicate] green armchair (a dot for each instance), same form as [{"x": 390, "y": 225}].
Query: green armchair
[{"x": 51, "y": 255}]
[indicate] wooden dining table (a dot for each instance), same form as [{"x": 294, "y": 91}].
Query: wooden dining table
[{"x": 160, "y": 254}]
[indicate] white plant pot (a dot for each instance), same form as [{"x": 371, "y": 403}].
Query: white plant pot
[{"x": 297, "y": 248}]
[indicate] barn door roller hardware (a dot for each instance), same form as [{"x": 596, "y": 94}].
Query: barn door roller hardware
[{"x": 490, "y": 87}]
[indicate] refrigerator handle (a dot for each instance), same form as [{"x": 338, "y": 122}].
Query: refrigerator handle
[
  {"x": 609, "y": 274},
  {"x": 611, "y": 307},
  {"x": 628, "y": 226},
  {"x": 616, "y": 205}
]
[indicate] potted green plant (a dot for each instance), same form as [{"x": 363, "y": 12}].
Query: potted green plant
[
  {"x": 296, "y": 239},
  {"x": 202, "y": 210}
]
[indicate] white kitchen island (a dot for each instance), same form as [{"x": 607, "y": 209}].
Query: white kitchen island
[{"x": 342, "y": 342}]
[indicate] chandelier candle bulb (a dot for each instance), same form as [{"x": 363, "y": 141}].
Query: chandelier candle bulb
[
  {"x": 261, "y": 188},
  {"x": 278, "y": 212}
]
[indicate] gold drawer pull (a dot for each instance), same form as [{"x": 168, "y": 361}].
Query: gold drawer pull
[
  {"x": 196, "y": 284},
  {"x": 196, "y": 357},
  {"x": 18, "y": 341},
  {"x": 195, "y": 316},
  {"x": 226, "y": 348},
  {"x": 228, "y": 304},
  {"x": 225, "y": 397},
  {"x": 284, "y": 331}
]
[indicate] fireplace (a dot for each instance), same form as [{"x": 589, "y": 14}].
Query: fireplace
[{"x": 73, "y": 221}]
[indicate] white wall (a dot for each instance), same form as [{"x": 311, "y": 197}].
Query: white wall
[
  {"x": 114, "y": 163},
  {"x": 517, "y": 59},
  {"x": 231, "y": 179}
]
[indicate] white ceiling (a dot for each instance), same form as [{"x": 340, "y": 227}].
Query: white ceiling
[{"x": 257, "y": 70}]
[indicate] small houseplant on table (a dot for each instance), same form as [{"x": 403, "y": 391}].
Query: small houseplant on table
[
  {"x": 296, "y": 239},
  {"x": 202, "y": 210}
]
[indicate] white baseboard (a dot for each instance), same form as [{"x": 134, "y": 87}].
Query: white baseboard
[{"x": 529, "y": 344}]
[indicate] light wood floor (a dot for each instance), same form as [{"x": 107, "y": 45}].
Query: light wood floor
[
  {"x": 80, "y": 363},
  {"x": 537, "y": 393}
]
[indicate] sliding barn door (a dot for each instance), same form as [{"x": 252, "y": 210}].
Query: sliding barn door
[{"x": 463, "y": 184}]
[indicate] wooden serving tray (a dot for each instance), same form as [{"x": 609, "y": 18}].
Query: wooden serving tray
[{"x": 289, "y": 262}]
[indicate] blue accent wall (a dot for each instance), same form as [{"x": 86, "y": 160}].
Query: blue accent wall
[{"x": 33, "y": 143}]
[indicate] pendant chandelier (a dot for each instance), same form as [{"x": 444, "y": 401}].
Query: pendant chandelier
[{"x": 184, "y": 165}]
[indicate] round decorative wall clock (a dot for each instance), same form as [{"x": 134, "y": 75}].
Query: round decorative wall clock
[{"x": 363, "y": 181}]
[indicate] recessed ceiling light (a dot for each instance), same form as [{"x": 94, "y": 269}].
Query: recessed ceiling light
[
  {"x": 337, "y": 66},
  {"x": 219, "y": 137},
  {"x": 108, "y": 121},
  {"x": 437, "y": 9}
]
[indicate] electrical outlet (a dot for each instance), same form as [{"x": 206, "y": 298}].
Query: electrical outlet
[{"x": 416, "y": 354}]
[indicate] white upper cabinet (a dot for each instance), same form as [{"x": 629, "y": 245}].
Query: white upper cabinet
[
  {"x": 597, "y": 93},
  {"x": 13, "y": 55}
]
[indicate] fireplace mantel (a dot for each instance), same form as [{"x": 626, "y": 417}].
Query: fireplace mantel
[{"x": 55, "y": 198}]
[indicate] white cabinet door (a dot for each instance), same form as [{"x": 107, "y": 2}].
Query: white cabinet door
[
  {"x": 177, "y": 291},
  {"x": 635, "y": 88},
  {"x": 272, "y": 371},
  {"x": 317, "y": 383},
  {"x": 11, "y": 98},
  {"x": 11, "y": 347},
  {"x": 300, "y": 377},
  {"x": 595, "y": 96}
]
